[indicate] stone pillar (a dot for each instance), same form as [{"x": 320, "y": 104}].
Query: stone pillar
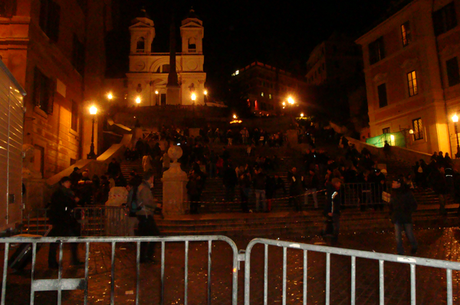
[{"x": 174, "y": 186}]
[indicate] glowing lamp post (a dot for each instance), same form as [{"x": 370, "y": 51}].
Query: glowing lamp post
[
  {"x": 156, "y": 97},
  {"x": 291, "y": 101},
  {"x": 93, "y": 112},
  {"x": 138, "y": 100},
  {"x": 205, "y": 96},
  {"x": 110, "y": 96},
  {"x": 302, "y": 115},
  {"x": 455, "y": 120},
  {"x": 193, "y": 97}
]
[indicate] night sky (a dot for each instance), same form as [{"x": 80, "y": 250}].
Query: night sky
[{"x": 237, "y": 32}]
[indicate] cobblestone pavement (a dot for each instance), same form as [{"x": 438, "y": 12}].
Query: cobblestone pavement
[{"x": 435, "y": 243}]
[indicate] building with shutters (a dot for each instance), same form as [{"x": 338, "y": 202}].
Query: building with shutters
[
  {"x": 412, "y": 74},
  {"x": 336, "y": 59},
  {"x": 55, "y": 49},
  {"x": 148, "y": 71}
]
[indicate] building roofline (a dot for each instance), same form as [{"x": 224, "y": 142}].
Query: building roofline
[{"x": 387, "y": 19}]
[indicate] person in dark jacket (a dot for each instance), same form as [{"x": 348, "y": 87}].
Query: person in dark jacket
[
  {"x": 75, "y": 176},
  {"x": 295, "y": 188},
  {"x": 270, "y": 187},
  {"x": 114, "y": 168},
  {"x": 332, "y": 207},
  {"x": 260, "y": 181},
  {"x": 194, "y": 191},
  {"x": 439, "y": 185},
  {"x": 245, "y": 190},
  {"x": 63, "y": 201},
  {"x": 312, "y": 185},
  {"x": 230, "y": 181},
  {"x": 402, "y": 205}
]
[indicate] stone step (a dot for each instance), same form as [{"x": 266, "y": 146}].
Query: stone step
[{"x": 311, "y": 225}]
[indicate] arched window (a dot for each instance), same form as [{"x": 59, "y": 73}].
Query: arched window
[
  {"x": 140, "y": 44},
  {"x": 192, "y": 45},
  {"x": 165, "y": 68}
]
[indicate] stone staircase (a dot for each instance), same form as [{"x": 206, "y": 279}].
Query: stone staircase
[
  {"x": 301, "y": 223},
  {"x": 128, "y": 166}
]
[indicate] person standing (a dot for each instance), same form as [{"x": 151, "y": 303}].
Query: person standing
[
  {"x": 260, "y": 180},
  {"x": 245, "y": 190},
  {"x": 230, "y": 181},
  {"x": 61, "y": 216},
  {"x": 244, "y": 135},
  {"x": 332, "y": 207},
  {"x": 142, "y": 204},
  {"x": 295, "y": 188},
  {"x": 75, "y": 176},
  {"x": 194, "y": 191},
  {"x": 113, "y": 168},
  {"x": 402, "y": 205},
  {"x": 312, "y": 185},
  {"x": 439, "y": 185},
  {"x": 270, "y": 188}
]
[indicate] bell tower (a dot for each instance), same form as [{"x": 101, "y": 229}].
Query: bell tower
[
  {"x": 142, "y": 33},
  {"x": 192, "y": 33}
]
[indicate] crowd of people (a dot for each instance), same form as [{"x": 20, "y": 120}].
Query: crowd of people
[{"x": 257, "y": 178}]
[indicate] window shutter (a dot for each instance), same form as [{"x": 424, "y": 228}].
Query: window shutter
[
  {"x": 36, "y": 93},
  {"x": 43, "y": 14},
  {"x": 55, "y": 16},
  {"x": 51, "y": 93}
]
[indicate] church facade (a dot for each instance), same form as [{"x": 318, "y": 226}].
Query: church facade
[{"x": 147, "y": 78}]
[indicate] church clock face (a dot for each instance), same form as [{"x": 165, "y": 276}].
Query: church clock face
[
  {"x": 140, "y": 65},
  {"x": 192, "y": 66}
]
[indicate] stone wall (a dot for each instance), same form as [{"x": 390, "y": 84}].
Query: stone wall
[
  {"x": 39, "y": 191},
  {"x": 399, "y": 153}
]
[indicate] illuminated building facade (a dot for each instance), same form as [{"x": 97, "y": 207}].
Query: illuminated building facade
[
  {"x": 412, "y": 74},
  {"x": 335, "y": 59},
  {"x": 265, "y": 87},
  {"x": 148, "y": 71},
  {"x": 55, "y": 49}
]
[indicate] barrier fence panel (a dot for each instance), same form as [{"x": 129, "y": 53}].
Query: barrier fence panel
[
  {"x": 364, "y": 195},
  {"x": 348, "y": 258},
  {"x": 65, "y": 284},
  {"x": 36, "y": 222},
  {"x": 104, "y": 221}
]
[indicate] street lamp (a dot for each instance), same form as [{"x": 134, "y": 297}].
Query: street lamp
[
  {"x": 156, "y": 97},
  {"x": 455, "y": 120},
  {"x": 92, "y": 154},
  {"x": 301, "y": 115},
  {"x": 234, "y": 116},
  {"x": 110, "y": 96},
  {"x": 291, "y": 100},
  {"x": 193, "y": 97}
]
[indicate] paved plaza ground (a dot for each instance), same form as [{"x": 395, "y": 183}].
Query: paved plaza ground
[{"x": 438, "y": 243}]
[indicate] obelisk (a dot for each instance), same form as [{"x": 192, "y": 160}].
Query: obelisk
[{"x": 172, "y": 88}]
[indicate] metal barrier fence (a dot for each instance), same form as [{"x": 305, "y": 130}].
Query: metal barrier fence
[
  {"x": 65, "y": 284},
  {"x": 353, "y": 254},
  {"x": 104, "y": 221},
  {"x": 362, "y": 194},
  {"x": 36, "y": 222}
]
